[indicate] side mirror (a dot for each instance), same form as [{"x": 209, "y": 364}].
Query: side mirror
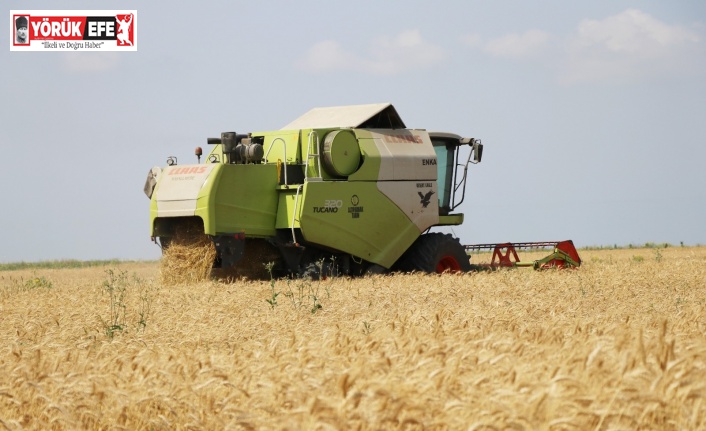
[{"x": 477, "y": 151}]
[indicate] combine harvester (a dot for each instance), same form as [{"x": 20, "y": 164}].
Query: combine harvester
[{"x": 341, "y": 190}]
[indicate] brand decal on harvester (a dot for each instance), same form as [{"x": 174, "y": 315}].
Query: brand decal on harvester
[
  {"x": 426, "y": 198},
  {"x": 402, "y": 139},
  {"x": 356, "y": 209},
  {"x": 73, "y": 30},
  {"x": 330, "y": 206},
  {"x": 197, "y": 173},
  {"x": 188, "y": 170}
]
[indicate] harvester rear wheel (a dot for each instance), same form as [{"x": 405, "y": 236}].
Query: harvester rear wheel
[{"x": 435, "y": 253}]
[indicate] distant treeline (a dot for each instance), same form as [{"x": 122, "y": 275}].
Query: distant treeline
[
  {"x": 61, "y": 264},
  {"x": 645, "y": 245}
]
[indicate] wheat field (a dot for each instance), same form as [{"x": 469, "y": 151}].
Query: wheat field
[{"x": 619, "y": 344}]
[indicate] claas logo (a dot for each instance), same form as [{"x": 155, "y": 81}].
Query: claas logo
[
  {"x": 402, "y": 138},
  {"x": 188, "y": 170}
]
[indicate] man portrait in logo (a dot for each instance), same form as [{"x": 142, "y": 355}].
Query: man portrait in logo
[
  {"x": 21, "y": 34},
  {"x": 124, "y": 28}
]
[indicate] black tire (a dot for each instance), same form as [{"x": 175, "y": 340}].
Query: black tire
[
  {"x": 435, "y": 253},
  {"x": 375, "y": 269},
  {"x": 320, "y": 270}
]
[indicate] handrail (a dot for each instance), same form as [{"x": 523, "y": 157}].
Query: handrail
[
  {"x": 315, "y": 154},
  {"x": 284, "y": 146},
  {"x": 294, "y": 213}
]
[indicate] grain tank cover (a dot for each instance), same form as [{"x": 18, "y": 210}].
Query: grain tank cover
[{"x": 373, "y": 116}]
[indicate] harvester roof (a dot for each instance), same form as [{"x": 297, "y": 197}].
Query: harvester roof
[{"x": 372, "y": 116}]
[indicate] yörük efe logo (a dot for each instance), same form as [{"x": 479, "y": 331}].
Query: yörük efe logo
[{"x": 73, "y": 30}]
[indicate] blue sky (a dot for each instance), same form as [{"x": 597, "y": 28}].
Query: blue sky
[{"x": 593, "y": 114}]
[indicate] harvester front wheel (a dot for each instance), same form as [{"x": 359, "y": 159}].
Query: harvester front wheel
[
  {"x": 320, "y": 270},
  {"x": 435, "y": 253}
]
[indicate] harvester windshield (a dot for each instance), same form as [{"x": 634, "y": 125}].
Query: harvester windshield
[
  {"x": 444, "y": 166},
  {"x": 451, "y": 171}
]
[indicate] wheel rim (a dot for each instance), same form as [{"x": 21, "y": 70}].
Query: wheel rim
[{"x": 448, "y": 263}]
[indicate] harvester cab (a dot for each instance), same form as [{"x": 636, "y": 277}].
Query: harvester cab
[
  {"x": 452, "y": 173},
  {"x": 340, "y": 190}
]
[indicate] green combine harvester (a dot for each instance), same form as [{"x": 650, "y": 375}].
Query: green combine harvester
[{"x": 340, "y": 190}]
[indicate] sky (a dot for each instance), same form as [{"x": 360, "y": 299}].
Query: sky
[{"x": 592, "y": 114}]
